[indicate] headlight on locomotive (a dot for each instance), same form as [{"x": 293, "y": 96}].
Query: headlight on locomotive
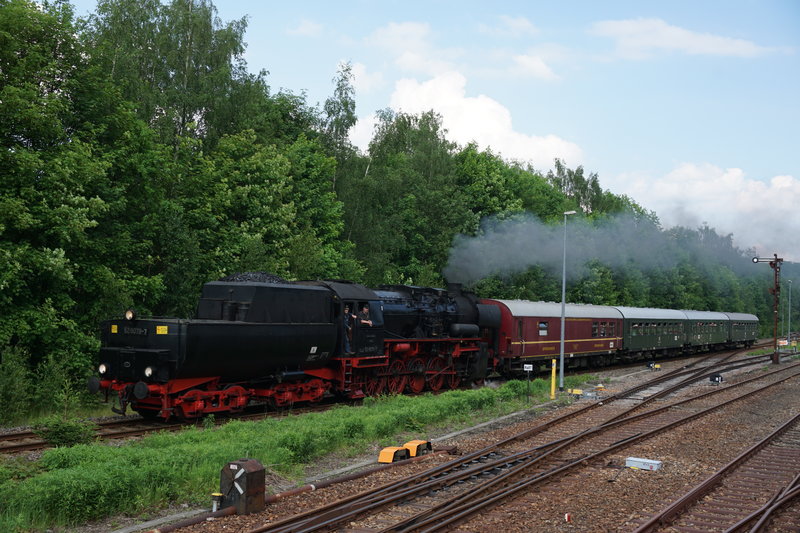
[
  {"x": 130, "y": 314},
  {"x": 149, "y": 371},
  {"x": 103, "y": 368}
]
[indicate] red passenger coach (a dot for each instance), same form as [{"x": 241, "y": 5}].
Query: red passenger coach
[{"x": 531, "y": 332}]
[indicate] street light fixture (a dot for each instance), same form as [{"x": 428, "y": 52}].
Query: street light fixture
[{"x": 563, "y": 303}]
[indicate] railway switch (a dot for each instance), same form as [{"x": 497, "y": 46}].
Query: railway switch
[{"x": 242, "y": 484}]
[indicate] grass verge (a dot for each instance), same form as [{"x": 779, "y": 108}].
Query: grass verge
[{"x": 74, "y": 485}]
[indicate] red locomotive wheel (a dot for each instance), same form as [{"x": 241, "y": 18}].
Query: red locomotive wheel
[
  {"x": 236, "y": 397},
  {"x": 416, "y": 375},
  {"x": 192, "y": 404},
  {"x": 453, "y": 381},
  {"x": 435, "y": 376},
  {"x": 396, "y": 380},
  {"x": 374, "y": 385}
]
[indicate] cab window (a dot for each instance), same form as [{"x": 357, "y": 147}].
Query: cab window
[{"x": 373, "y": 313}]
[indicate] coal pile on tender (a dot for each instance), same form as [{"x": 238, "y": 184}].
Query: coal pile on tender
[{"x": 261, "y": 277}]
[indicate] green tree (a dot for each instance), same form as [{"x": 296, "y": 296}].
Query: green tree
[
  {"x": 585, "y": 191},
  {"x": 403, "y": 211},
  {"x": 485, "y": 181},
  {"x": 318, "y": 248},
  {"x": 245, "y": 219},
  {"x": 537, "y": 195},
  {"x": 596, "y": 287},
  {"x": 178, "y": 62},
  {"x": 340, "y": 116},
  {"x": 50, "y": 173}
]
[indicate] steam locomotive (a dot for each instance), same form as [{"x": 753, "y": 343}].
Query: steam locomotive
[{"x": 278, "y": 343}]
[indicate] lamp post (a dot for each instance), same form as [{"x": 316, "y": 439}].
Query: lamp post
[
  {"x": 789, "y": 326},
  {"x": 563, "y": 303}
]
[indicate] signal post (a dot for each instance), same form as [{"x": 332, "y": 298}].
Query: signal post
[{"x": 775, "y": 265}]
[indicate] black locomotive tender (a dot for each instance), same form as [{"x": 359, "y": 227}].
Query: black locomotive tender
[{"x": 281, "y": 342}]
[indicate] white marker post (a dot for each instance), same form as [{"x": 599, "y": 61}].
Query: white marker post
[{"x": 528, "y": 368}]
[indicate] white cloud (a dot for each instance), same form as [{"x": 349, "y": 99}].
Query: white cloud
[
  {"x": 306, "y": 28},
  {"x": 534, "y": 65},
  {"x": 365, "y": 81},
  {"x": 480, "y": 119},
  {"x": 759, "y": 214},
  {"x": 510, "y": 26},
  {"x": 361, "y": 134},
  {"x": 410, "y": 45},
  {"x": 640, "y": 38}
]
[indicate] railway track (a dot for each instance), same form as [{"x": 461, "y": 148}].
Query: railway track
[
  {"x": 446, "y": 496},
  {"x": 743, "y": 495},
  {"x": 128, "y": 427},
  {"x": 28, "y": 440}
]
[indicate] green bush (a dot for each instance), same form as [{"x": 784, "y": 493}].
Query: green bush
[
  {"x": 64, "y": 431},
  {"x": 15, "y": 385}
]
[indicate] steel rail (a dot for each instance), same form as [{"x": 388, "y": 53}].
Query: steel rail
[
  {"x": 781, "y": 498},
  {"x": 681, "y": 505}
]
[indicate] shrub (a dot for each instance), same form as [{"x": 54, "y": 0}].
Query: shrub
[
  {"x": 15, "y": 385},
  {"x": 65, "y": 431}
]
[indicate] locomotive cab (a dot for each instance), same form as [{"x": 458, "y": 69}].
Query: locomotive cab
[{"x": 365, "y": 331}]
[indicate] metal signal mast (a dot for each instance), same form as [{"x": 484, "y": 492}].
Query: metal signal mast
[{"x": 775, "y": 264}]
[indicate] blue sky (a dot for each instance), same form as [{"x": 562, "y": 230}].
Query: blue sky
[{"x": 691, "y": 108}]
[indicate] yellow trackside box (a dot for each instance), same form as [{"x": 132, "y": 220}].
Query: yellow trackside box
[
  {"x": 418, "y": 447},
  {"x": 392, "y": 454}
]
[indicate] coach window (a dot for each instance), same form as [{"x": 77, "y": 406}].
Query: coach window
[
  {"x": 543, "y": 329},
  {"x": 612, "y": 329},
  {"x": 602, "y": 329},
  {"x": 594, "y": 329}
]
